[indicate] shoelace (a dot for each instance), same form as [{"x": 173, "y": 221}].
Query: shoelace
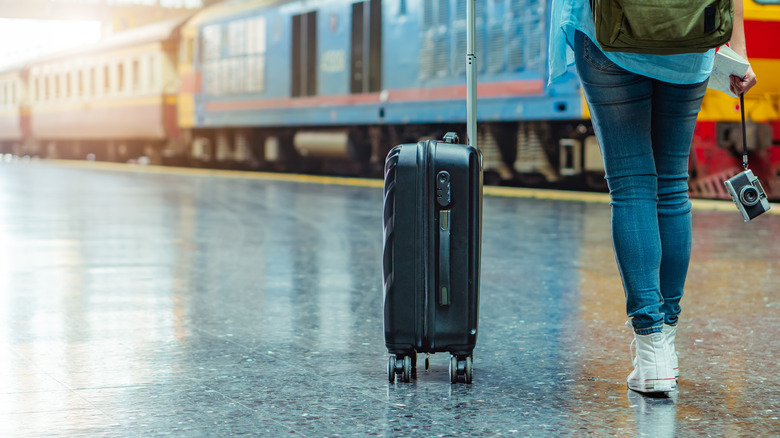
[{"x": 632, "y": 346}]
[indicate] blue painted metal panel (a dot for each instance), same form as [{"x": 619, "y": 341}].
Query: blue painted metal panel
[
  {"x": 334, "y": 43},
  {"x": 520, "y": 54}
]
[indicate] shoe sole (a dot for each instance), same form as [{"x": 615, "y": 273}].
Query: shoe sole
[{"x": 659, "y": 385}]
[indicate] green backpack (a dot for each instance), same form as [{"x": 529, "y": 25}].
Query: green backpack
[{"x": 662, "y": 27}]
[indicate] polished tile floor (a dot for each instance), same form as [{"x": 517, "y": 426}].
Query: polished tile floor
[{"x": 138, "y": 303}]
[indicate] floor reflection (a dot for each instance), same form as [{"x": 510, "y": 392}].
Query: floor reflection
[
  {"x": 655, "y": 416},
  {"x": 137, "y": 303}
]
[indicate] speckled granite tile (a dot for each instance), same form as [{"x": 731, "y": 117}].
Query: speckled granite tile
[{"x": 142, "y": 304}]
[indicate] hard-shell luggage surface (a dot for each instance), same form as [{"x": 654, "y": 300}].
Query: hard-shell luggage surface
[
  {"x": 432, "y": 215},
  {"x": 433, "y": 234}
]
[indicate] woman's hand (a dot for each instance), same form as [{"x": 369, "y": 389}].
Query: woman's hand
[{"x": 742, "y": 85}]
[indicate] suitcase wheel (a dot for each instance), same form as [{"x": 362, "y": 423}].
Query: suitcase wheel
[
  {"x": 399, "y": 365},
  {"x": 391, "y": 369},
  {"x": 461, "y": 368}
]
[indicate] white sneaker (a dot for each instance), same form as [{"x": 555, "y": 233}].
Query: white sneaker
[
  {"x": 670, "y": 332},
  {"x": 652, "y": 364}
]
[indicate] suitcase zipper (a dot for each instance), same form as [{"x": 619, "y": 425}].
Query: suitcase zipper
[{"x": 427, "y": 219}]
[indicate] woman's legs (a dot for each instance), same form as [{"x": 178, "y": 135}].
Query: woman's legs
[
  {"x": 620, "y": 104},
  {"x": 644, "y": 128},
  {"x": 675, "y": 108}
]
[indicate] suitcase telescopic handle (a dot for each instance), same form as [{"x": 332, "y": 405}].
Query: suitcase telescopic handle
[{"x": 471, "y": 74}]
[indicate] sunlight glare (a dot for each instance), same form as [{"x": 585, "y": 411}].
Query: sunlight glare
[{"x": 22, "y": 40}]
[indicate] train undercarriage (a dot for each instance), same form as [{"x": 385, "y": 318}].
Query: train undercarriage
[{"x": 562, "y": 154}]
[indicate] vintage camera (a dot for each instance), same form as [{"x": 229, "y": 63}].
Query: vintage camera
[{"x": 747, "y": 193}]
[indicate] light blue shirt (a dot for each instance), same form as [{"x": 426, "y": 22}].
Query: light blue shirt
[{"x": 569, "y": 16}]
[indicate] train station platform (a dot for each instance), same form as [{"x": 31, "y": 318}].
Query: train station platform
[{"x": 144, "y": 301}]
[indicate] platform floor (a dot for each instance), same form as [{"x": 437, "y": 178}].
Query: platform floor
[{"x": 154, "y": 302}]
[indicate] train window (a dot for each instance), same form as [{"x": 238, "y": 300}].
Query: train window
[
  {"x": 136, "y": 80},
  {"x": 427, "y": 13},
  {"x": 57, "y": 85},
  {"x": 237, "y": 32},
  {"x": 92, "y": 81},
  {"x": 37, "y": 87},
  {"x": 120, "y": 77},
  {"x": 106, "y": 79},
  {"x": 225, "y": 46},
  {"x": 81, "y": 83},
  {"x": 768, "y": 2},
  {"x": 14, "y": 94},
  {"x": 212, "y": 41},
  {"x": 46, "y": 88},
  {"x": 153, "y": 73},
  {"x": 256, "y": 36},
  {"x": 444, "y": 12},
  {"x": 211, "y": 75},
  {"x": 256, "y": 74},
  {"x": 67, "y": 85}
]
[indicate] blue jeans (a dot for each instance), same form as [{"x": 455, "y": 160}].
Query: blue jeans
[{"x": 644, "y": 128}]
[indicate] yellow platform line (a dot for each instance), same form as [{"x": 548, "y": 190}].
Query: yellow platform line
[{"x": 494, "y": 191}]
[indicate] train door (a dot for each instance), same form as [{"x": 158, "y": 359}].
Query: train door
[
  {"x": 366, "y": 71},
  {"x": 304, "y": 54}
]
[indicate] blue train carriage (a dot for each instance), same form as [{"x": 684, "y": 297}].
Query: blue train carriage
[{"x": 289, "y": 82}]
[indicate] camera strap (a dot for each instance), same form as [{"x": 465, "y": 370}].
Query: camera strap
[{"x": 744, "y": 135}]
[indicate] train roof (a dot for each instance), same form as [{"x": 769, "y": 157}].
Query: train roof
[
  {"x": 226, "y": 9},
  {"x": 13, "y": 68},
  {"x": 152, "y": 33}
]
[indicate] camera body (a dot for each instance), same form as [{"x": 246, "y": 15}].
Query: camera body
[{"x": 747, "y": 193}]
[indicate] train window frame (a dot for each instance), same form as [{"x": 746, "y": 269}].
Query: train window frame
[{"x": 189, "y": 50}]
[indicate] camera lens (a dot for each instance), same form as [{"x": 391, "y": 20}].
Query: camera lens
[{"x": 748, "y": 195}]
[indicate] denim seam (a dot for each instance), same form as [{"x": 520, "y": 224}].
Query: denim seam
[{"x": 649, "y": 330}]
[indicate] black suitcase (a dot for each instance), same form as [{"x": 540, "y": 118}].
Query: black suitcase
[
  {"x": 432, "y": 242},
  {"x": 432, "y": 217}
]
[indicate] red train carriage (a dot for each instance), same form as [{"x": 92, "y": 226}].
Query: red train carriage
[
  {"x": 14, "y": 110},
  {"x": 113, "y": 101}
]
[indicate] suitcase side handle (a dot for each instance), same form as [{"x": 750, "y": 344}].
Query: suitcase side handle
[{"x": 445, "y": 226}]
